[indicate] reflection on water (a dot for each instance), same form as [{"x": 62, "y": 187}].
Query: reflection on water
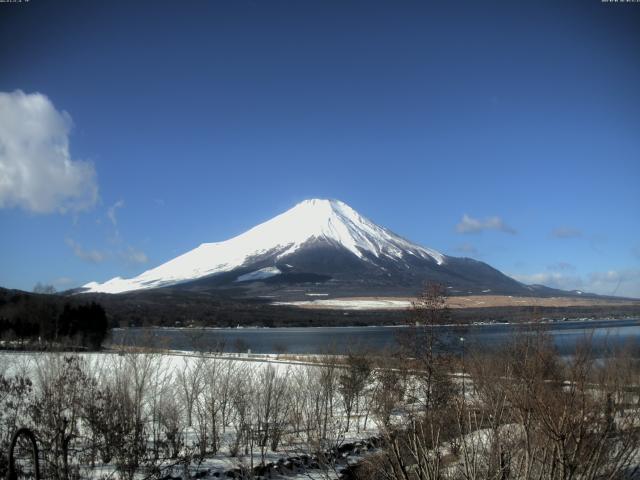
[{"x": 606, "y": 334}]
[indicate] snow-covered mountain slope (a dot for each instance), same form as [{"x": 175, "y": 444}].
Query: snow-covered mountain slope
[{"x": 312, "y": 222}]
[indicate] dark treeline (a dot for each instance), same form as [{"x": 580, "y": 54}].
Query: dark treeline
[
  {"x": 50, "y": 321},
  {"x": 169, "y": 307}
]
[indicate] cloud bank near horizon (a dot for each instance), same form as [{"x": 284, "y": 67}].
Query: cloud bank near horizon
[{"x": 623, "y": 283}]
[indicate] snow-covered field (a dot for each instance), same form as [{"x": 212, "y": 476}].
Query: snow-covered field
[
  {"x": 210, "y": 414},
  {"x": 352, "y": 304},
  {"x": 454, "y": 302},
  {"x": 147, "y": 414}
]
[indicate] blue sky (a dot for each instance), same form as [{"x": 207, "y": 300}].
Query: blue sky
[{"x": 131, "y": 132}]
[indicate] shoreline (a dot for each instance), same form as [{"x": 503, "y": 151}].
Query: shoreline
[
  {"x": 478, "y": 323},
  {"x": 109, "y": 347}
]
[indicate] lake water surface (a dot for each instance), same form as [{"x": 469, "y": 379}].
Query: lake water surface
[{"x": 605, "y": 334}]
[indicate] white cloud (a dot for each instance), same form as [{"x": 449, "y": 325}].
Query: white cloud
[
  {"x": 37, "y": 172},
  {"x": 474, "y": 225},
  {"x": 111, "y": 212},
  {"x": 133, "y": 256},
  {"x": 561, "y": 267},
  {"x": 467, "y": 248},
  {"x": 62, "y": 282},
  {"x": 566, "y": 232},
  {"x": 624, "y": 283},
  {"x": 129, "y": 256},
  {"x": 616, "y": 282},
  {"x": 552, "y": 279},
  {"x": 92, "y": 256}
]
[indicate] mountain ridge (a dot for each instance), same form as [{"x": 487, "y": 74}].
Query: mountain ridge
[
  {"x": 320, "y": 247},
  {"x": 308, "y": 221}
]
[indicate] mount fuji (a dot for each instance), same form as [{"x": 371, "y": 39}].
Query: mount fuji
[{"x": 318, "y": 247}]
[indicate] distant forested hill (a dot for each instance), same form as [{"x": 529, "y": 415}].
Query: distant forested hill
[{"x": 47, "y": 320}]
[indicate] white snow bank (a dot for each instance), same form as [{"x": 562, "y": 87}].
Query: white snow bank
[
  {"x": 344, "y": 304},
  {"x": 259, "y": 274}
]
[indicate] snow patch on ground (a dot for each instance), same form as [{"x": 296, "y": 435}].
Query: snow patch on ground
[
  {"x": 343, "y": 304},
  {"x": 259, "y": 274},
  {"x": 107, "y": 364}
]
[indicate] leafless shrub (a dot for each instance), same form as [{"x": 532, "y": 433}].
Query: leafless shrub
[
  {"x": 15, "y": 398},
  {"x": 531, "y": 415},
  {"x": 424, "y": 350},
  {"x": 352, "y": 382},
  {"x": 56, "y": 411},
  {"x": 172, "y": 440},
  {"x": 189, "y": 379}
]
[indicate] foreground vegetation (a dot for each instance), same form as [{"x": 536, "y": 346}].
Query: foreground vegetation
[
  {"x": 150, "y": 414},
  {"x": 522, "y": 412}
]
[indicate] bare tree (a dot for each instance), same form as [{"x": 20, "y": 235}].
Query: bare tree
[
  {"x": 531, "y": 415},
  {"x": 189, "y": 378},
  {"x": 44, "y": 288},
  {"x": 388, "y": 394},
  {"x": 352, "y": 381},
  {"x": 170, "y": 420},
  {"x": 56, "y": 411},
  {"x": 271, "y": 407},
  {"x": 15, "y": 397},
  {"x": 241, "y": 401},
  {"x": 424, "y": 349}
]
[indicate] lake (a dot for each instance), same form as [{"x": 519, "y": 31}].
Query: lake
[{"x": 566, "y": 335}]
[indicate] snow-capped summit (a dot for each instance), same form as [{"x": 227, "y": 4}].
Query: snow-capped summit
[
  {"x": 310, "y": 221},
  {"x": 333, "y": 221},
  {"x": 317, "y": 242}
]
